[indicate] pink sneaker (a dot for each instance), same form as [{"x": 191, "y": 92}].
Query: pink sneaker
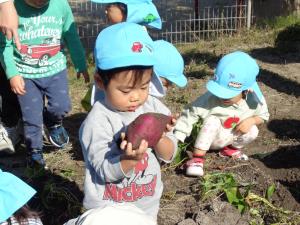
[
  {"x": 194, "y": 167},
  {"x": 233, "y": 153}
]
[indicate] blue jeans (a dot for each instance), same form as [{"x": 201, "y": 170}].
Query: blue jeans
[{"x": 35, "y": 112}]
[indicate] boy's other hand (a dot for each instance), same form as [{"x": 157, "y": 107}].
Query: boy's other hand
[
  {"x": 133, "y": 154},
  {"x": 85, "y": 75},
  {"x": 171, "y": 125},
  {"x": 9, "y": 22},
  {"x": 17, "y": 85}
]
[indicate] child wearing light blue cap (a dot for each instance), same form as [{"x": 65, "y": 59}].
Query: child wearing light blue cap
[
  {"x": 116, "y": 173},
  {"x": 231, "y": 110},
  {"x": 142, "y": 12},
  {"x": 14, "y": 194},
  {"x": 169, "y": 67}
]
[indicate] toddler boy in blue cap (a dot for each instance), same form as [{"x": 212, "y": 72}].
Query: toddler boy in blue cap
[
  {"x": 14, "y": 195},
  {"x": 231, "y": 110},
  {"x": 142, "y": 12},
  {"x": 168, "y": 70},
  {"x": 116, "y": 173}
]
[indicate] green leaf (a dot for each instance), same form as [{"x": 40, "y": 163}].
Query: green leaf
[
  {"x": 180, "y": 155},
  {"x": 241, "y": 207},
  {"x": 231, "y": 194},
  {"x": 270, "y": 191}
]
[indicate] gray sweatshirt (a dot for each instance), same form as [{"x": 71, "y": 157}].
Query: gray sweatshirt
[{"x": 105, "y": 182}]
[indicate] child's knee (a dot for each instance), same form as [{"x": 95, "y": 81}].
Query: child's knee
[
  {"x": 253, "y": 133},
  {"x": 209, "y": 131}
]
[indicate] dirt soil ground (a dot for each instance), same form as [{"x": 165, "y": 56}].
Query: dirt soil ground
[{"x": 274, "y": 156}]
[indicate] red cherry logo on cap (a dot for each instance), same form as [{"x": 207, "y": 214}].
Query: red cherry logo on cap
[{"x": 136, "y": 47}]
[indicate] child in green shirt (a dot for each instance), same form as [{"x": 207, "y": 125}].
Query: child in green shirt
[{"x": 38, "y": 69}]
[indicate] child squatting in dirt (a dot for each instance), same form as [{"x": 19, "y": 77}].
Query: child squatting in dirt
[
  {"x": 116, "y": 173},
  {"x": 231, "y": 109}
]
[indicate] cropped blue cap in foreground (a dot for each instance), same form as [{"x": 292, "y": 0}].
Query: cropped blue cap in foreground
[
  {"x": 142, "y": 12},
  {"x": 14, "y": 193},
  {"x": 235, "y": 72},
  {"x": 122, "y": 45}
]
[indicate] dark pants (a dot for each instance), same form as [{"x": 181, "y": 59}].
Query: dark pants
[
  {"x": 10, "y": 112},
  {"x": 35, "y": 113}
]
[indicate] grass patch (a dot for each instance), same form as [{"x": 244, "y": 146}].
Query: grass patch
[
  {"x": 278, "y": 22},
  {"x": 260, "y": 208}
]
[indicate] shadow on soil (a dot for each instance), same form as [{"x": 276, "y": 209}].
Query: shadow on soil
[
  {"x": 288, "y": 40},
  {"x": 57, "y": 198},
  {"x": 294, "y": 188},
  {"x": 284, "y": 129},
  {"x": 279, "y": 83},
  {"x": 283, "y": 158},
  {"x": 73, "y": 124},
  {"x": 285, "y": 166},
  {"x": 287, "y": 156},
  {"x": 275, "y": 56},
  {"x": 286, "y": 47},
  {"x": 285, "y": 161}
]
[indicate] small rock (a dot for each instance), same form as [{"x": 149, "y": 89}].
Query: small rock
[
  {"x": 203, "y": 219},
  {"x": 187, "y": 222}
]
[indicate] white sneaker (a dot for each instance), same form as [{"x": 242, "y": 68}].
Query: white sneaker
[
  {"x": 45, "y": 134},
  {"x": 13, "y": 134},
  {"x": 194, "y": 167},
  {"x": 6, "y": 144},
  {"x": 228, "y": 151}
]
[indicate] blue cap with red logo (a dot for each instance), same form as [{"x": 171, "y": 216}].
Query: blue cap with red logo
[
  {"x": 235, "y": 72},
  {"x": 123, "y": 44}
]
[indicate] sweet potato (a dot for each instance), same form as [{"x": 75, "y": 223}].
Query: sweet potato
[{"x": 147, "y": 126}]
